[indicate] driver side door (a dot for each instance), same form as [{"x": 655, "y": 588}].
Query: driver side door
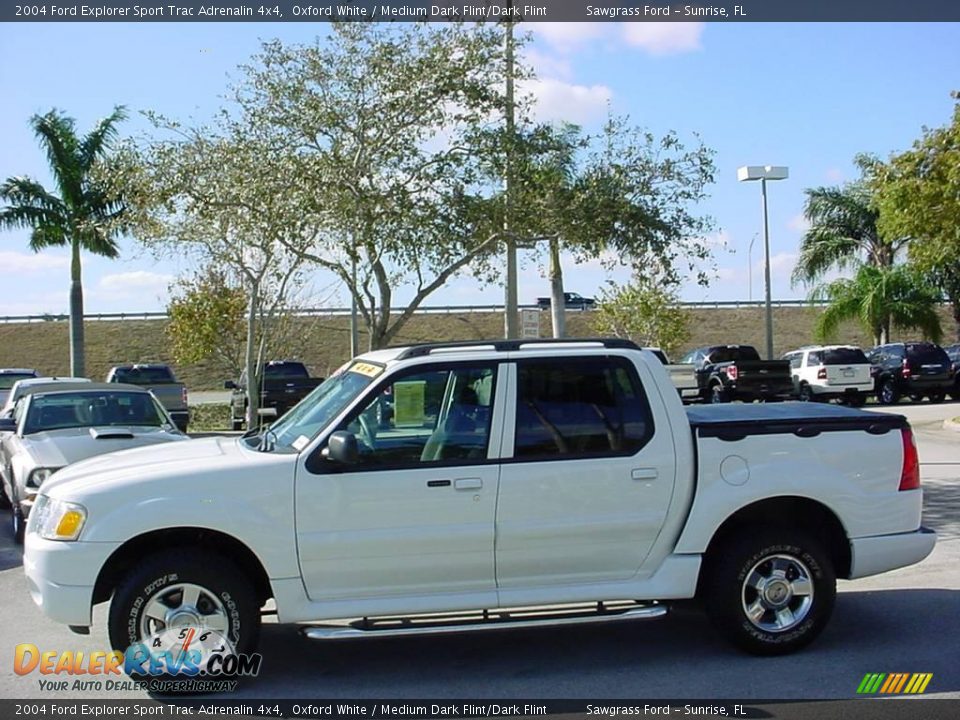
[{"x": 414, "y": 515}]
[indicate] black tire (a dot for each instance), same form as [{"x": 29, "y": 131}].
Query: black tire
[
  {"x": 856, "y": 399},
  {"x": 718, "y": 394},
  {"x": 806, "y": 394},
  {"x": 936, "y": 397},
  {"x": 729, "y": 590},
  {"x": 887, "y": 393},
  {"x": 916, "y": 397},
  {"x": 4, "y": 500},
  {"x": 159, "y": 575},
  {"x": 18, "y": 524},
  {"x": 237, "y": 425}
]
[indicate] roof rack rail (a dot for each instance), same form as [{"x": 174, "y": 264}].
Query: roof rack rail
[{"x": 423, "y": 349}]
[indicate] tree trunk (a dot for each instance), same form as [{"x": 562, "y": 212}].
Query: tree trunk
[
  {"x": 558, "y": 308},
  {"x": 253, "y": 379},
  {"x": 955, "y": 305},
  {"x": 77, "y": 363}
]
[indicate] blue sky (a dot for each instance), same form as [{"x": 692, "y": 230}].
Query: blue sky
[{"x": 809, "y": 96}]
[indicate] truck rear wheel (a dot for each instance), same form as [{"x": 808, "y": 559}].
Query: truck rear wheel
[
  {"x": 179, "y": 588},
  {"x": 771, "y": 592}
]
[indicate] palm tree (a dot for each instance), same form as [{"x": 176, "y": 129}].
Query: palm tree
[
  {"x": 843, "y": 233},
  {"x": 80, "y": 213},
  {"x": 879, "y": 297}
]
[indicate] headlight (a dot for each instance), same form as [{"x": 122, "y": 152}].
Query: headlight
[
  {"x": 54, "y": 519},
  {"x": 39, "y": 476}
]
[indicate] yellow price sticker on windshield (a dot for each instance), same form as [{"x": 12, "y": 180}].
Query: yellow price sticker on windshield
[{"x": 366, "y": 369}]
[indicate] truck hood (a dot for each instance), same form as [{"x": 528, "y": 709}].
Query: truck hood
[
  {"x": 57, "y": 448},
  {"x": 156, "y": 461}
]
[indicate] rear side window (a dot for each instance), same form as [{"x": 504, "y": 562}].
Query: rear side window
[
  {"x": 580, "y": 408},
  {"x": 844, "y": 356},
  {"x": 815, "y": 359}
]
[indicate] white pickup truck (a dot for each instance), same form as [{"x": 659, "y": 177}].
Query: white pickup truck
[{"x": 447, "y": 488}]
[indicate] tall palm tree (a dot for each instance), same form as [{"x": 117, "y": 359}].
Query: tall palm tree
[
  {"x": 79, "y": 213},
  {"x": 878, "y": 298},
  {"x": 843, "y": 233}
]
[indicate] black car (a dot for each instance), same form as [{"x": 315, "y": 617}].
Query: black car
[
  {"x": 953, "y": 352},
  {"x": 913, "y": 369},
  {"x": 736, "y": 372}
]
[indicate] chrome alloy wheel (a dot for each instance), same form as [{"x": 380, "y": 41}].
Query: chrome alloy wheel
[
  {"x": 777, "y": 593},
  {"x": 183, "y": 605}
]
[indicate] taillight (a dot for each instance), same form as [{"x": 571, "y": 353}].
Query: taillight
[
  {"x": 183, "y": 395},
  {"x": 906, "y": 369},
  {"x": 910, "y": 475},
  {"x": 822, "y": 374},
  {"x": 731, "y": 372}
]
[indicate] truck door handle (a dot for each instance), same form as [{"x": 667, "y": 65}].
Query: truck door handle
[
  {"x": 438, "y": 483},
  {"x": 644, "y": 474},
  {"x": 468, "y": 483}
]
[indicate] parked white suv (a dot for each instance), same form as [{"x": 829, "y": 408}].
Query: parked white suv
[{"x": 831, "y": 372}]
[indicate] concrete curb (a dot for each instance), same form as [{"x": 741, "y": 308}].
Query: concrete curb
[{"x": 952, "y": 424}]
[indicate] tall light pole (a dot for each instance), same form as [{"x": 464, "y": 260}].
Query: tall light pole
[
  {"x": 750, "y": 267},
  {"x": 748, "y": 173},
  {"x": 510, "y": 322}
]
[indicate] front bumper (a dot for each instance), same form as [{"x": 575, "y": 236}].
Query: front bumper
[
  {"x": 880, "y": 553},
  {"x": 61, "y": 576}
]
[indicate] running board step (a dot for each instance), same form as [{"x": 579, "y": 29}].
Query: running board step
[{"x": 486, "y": 620}]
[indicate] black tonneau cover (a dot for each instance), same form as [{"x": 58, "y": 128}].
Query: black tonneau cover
[{"x": 737, "y": 421}]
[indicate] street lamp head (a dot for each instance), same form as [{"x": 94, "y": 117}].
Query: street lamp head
[{"x": 747, "y": 173}]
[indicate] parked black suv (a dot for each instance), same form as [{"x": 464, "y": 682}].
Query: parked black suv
[
  {"x": 953, "y": 352},
  {"x": 915, "y": 369}
]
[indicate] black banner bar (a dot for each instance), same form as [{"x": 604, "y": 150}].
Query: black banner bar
[{"x": 481, "y": 10}]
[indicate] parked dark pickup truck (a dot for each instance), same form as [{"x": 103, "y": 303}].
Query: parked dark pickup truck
[
  {"x": 736, "y": 372},
  {"x": 283, "y": 383},
  {"x": 574, "y": 301},
  {"x": 161, "y": 381}
]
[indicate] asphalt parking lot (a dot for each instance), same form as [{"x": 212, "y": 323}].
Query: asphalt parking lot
[{"x": 904, "y": 621}]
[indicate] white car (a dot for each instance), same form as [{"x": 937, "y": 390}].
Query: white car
[
  {"x": 831, "y": 372},
  {"x": 515, "y": 483},
  {"x": 56, "y": 425},
  {"x": 10, "y": 376}
]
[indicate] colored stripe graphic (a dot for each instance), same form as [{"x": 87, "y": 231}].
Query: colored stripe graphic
[{"x": 894, "y": 683}]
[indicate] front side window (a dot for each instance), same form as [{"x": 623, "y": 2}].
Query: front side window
[
  {"x": 580, "y": 408},
  {"x": 437, "y": 415}
]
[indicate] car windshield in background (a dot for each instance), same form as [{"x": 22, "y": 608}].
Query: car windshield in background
[
  {"x": 59, "y": 411},
  {"x": 143, "y": 375},
  {"x": 320, "y": 407},
  {"x": 285, "y": 371},
  {"x": 8, "y": 379},
  {"x": 845, "y": 356},
  {"x": 927, "y": 355}
]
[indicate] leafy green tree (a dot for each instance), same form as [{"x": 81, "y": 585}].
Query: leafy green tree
[
  {"x": 918, "y": 194},
  {"x": 645, "y": 311},
  {"x": 82, "y": 213},
  {"x": 878, "y": 298},
  {"x": 206, "y": 320}
]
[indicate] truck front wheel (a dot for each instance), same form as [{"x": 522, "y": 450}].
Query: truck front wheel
[
  {"x": 180, "y": 588},
  {"x": 772, "y": 592}
]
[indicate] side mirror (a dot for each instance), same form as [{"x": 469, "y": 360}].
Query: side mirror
[
  {"x": 342, "y": 448},
  {"x": 229, "y": 385},
  {"x": 8, "y": 424}
]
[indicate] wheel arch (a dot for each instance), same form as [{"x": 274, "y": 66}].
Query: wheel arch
[
  {"x": 195, "y": 538},
  {"x": 793, "y": 512}
]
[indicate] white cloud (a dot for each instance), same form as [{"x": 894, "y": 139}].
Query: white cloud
[
  {"x": 18, "y": 263},
  {"x": 134, "y": 284},
  {"x": 545, "y": 65},
  {"x": 834, "y": 175},
  {"x": 559, "y": 100},
  {"x": 799, "y": 223},
  {"x": 664, "y": 38},
  {"x": 568, "y": 36}
]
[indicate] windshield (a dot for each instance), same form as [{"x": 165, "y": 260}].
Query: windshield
[
  {"x": 316, "y": 410},
  {"x": 59, "y": 411},
  {"x": 8, "y": 379}
]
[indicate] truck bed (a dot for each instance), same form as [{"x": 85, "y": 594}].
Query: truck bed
[{"x": 734, "y": 422}]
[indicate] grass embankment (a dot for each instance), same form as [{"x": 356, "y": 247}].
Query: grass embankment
[
  {"x": 209, "y": 418},
  {"x": 323, "y": 342}
]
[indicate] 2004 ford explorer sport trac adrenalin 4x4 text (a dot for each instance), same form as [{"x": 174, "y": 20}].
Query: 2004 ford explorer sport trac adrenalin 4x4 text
[{"x": 510, "y": 474}]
